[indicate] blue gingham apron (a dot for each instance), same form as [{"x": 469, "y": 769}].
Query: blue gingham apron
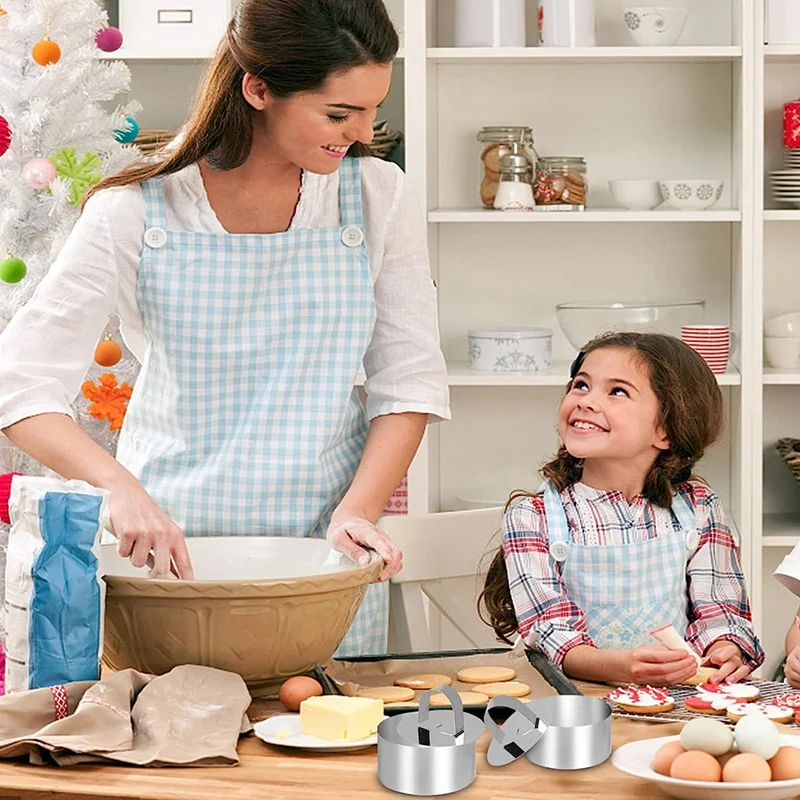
[
  {"x": 625, "y": 590},
  {"x": 244, "y": 419}
]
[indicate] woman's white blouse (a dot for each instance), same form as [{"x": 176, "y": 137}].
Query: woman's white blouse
[{"x": 47, "y": 347}]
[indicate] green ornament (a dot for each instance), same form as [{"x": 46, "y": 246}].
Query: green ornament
[
  {"x": 12, "y": 270},
  {"x": 82, "y": 174}
]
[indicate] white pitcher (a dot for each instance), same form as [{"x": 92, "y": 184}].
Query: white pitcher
[
  {"x": 567, "y": 23},
  {"x": 783, "y": 22},
  {"x": 490, "y": 23}
]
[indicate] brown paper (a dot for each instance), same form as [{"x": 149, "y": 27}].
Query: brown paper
[
  {"x": 351, "y": 676},
  {"x": 192, "y": 716}
]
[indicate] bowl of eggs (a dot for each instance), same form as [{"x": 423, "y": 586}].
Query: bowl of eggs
[
  {"x": 711, "y": 761},
  {"x": 265, "y": 607}
]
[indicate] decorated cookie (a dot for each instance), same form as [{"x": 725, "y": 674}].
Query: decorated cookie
[
  {"x": 797, "y": 718},
  {"x": 787, "y": 701},
  {"x": 776, "y": 713},
  {"x": 486, "y": 674},
  {"x": 708, "y": 704},
  {"x": 743, "y": 692},
  {"x": 642, "y": 699},
  {"x": 427, "y": 681}
]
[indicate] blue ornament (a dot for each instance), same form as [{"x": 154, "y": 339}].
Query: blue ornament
[{"x": 127, "y": 133}]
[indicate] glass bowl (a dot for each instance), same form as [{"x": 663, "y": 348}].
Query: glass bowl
[{"x": 581, "y": 322}]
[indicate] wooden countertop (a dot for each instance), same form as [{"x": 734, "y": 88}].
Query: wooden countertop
[{"x": 267, "y": 773}]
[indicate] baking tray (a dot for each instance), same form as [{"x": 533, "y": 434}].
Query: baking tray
[{"x": 346, "y": 676}]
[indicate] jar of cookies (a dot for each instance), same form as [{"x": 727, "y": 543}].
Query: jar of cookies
[
  {"x": 497, "y": 142},
  {"x": 560, "y": 184}
]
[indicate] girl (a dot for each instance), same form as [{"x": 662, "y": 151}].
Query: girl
[
  {"x": 254, "y": 268},
  {"x": 622, "y": 538}
]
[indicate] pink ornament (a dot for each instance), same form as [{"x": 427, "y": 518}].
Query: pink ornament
[
  {"x": 5, "y": 136},
  {"x": 39, "y": 173},
  {"x": 108, "y": 39}
]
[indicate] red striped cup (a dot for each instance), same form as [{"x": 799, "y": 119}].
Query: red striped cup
[{"x": 712, "y": 342}]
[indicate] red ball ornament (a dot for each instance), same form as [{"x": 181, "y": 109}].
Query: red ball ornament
[
  {"x": 108, "y": 39},
  {"x": 5, "y": 136},
  {"x": 46, "y": 52}
]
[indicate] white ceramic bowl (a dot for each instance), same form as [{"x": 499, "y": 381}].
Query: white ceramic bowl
[
  {"x": 636, "y": 195},
  {"x": 655, "y": 26},
  {"x": 784, "y": 326},
  {"x": 510, "y": 349},
  {"x": 783, "y": 352},
  {"x": 691, "y": 195}
]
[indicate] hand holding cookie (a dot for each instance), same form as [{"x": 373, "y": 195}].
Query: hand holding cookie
[
  {"x": 730, "y": 662},
  {"x": 658, "y": 666}
]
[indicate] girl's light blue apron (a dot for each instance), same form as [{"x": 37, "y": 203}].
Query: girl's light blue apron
[
  {"x": 244, "y": 419},
  {"x": 625, "y": 590}
]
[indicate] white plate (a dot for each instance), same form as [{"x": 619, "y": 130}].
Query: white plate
[
  {"x": 635, "y": 758},
  {"x": 283, "y": 730}
]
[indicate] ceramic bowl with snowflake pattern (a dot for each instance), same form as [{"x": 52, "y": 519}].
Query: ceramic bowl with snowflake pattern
[
  {"x": 655, "y": 26},
  {"x": 510, "y": 350},
  {"x": 691, "y": 195}
]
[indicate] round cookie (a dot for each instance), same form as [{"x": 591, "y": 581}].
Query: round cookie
[
  {"x": 775, "y": 713},
  {"x": 467, "y": 699},
  {"x": 707, "y": 704},
  {"x": 486, "y": 674},
  {"x": 642, "y": 699},
  {"x": 389, "y": 694},
  {"x": 743, "y": 692},
  {"x": 505, "y": 688},
  {"x": 427, "y": 681},
  {"x": 787, "y": 701}
]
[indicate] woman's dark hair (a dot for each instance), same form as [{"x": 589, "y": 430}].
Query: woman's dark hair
[
  {"x": 293, "y": 46},
  {"x": 691, "y": 414}
]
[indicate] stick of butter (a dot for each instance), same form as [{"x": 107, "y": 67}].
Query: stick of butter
[{"x": 338, "y": 719}]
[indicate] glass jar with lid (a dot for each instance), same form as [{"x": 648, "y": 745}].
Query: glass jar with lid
[
  {"x": 497, "y": 142},
  {"x": 514, "y": 192},
  {"x": 560, "y": 183}
]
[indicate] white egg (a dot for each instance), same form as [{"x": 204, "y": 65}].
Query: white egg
[
  {"x": 708, "y": 735},
  {"x": 758, "y": 735}
]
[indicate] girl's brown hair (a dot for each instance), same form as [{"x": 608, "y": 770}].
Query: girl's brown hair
[
  {"x": 293, "y": 46},
  {"x": 691, "y": 414}
]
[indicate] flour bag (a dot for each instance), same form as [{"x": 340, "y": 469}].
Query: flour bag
[{"x": 54, "y": 594}]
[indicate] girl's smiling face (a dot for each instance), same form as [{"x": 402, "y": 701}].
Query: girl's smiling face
[{"x": 611, "y": 411}]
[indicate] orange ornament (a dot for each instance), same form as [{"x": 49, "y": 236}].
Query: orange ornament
[
  {"x": 107, "y": 353},
  {"x": 46, "y": 52}
]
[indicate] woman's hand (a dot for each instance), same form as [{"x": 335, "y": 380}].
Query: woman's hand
[
  {"x": 141, "y": 526},
  {"x": 792, "y": 668},
  {"x": 728, "y": 657},
  {"x": 659, "y": 666},
  {"x": 355, "y": 536}
]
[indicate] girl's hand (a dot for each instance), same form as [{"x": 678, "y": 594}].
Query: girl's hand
[
  {"x": 728, "y": 657},
  {"x": 659, "y": 666},
  {"x": 356, "y": 537},
  {"x": 141, "y": 526},
  {"x": 792, "y": 668}
]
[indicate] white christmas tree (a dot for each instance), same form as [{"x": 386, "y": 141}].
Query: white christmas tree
[{"x": 60, "y": 132}]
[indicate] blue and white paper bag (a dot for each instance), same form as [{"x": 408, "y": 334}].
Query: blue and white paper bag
[{"x": 54, "y": 594}]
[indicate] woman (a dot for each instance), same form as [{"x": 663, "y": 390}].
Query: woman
[{"x": 255, "y": 268}]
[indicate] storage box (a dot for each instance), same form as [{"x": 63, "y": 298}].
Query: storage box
[{"x": 166, "y": 25}]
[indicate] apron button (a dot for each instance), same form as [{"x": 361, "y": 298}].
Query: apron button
[
  {"x": 559, "y": 551},
  {"x": 692, "y": 540},
  {"x": 155, "y": 237},
  {"x": 352, "y": 236}
]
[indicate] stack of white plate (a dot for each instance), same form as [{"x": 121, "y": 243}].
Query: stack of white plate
[{"x": 785, "y": 182}]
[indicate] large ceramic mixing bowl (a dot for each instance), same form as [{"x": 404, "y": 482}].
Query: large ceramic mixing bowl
[
  {"x": 263, "y": 607},
  {"x": 583, "y": 321}
]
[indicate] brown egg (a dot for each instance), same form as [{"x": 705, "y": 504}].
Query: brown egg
[
  {"x": 665, "y": 755},
  {"x": 785, "y": 764},
  {"x": 746, "y": 768},
  {"x": 295, "y": 690},
  {"x": 695, "y": 765}
]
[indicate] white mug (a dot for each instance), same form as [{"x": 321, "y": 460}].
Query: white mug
[
  {"x": 567, "y": 23},
  {"x": 490, "y": 23},
  {"x": 783, "y": 22}
]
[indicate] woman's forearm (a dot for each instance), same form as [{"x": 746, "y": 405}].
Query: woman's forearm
[
  {"x": 391, "y": 445},
  {"x": 56, "y": 441},
  {"x": 590, "y": 664}
]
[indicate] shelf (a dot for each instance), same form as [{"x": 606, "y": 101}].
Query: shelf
[
  {"x": 780, "y": 377},
  {"x": 579, "y": 55},
  {"x": 178, "y": 54},
  {"x": 782, "y": 215},
  {"x": 781, "y": 52},
  {"x": 781, "y": 530},
  {"x": 590, "y": 215}
]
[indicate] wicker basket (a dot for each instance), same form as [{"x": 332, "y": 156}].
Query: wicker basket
[
  {"x": 789, "y": 450},
  {"x": 150, "y": 141}
]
